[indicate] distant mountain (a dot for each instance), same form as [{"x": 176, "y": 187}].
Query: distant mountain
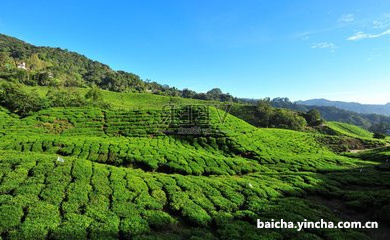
[
  {"x": 331, "y": 113},
  {"x": 349, "y": 106}
]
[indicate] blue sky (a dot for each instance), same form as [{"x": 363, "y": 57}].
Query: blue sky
[{"x": 334, "y": 49}]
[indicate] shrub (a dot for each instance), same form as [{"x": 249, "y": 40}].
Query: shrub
[
  {"x": 10, "y": 216},
  {"x": 13, "y": 97},
  {"x": 65, "y": 98},
  {"x": 158, "y": 219},
  {"x": 74, "y": 227},
  {"x": 195, "y": 214},
  {"x": 160, "y": 196},
  {"x": 134, "y": 225},
  {"x": 379, "y": 135}
]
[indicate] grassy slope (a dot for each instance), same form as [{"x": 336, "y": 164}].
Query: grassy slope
[
  {"x": 120, "y": 179},
  {"x": 379, "y": 154},
  {"x": 131, "y": 101},
  {"x": 342, "y": 137},
  {"x": 349, "y": 130}
]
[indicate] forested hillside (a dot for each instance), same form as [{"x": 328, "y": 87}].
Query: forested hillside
[
  {"x": 373, "y": 122},
  {"x": 383, "y": 109},
  {"x": 46, "y": 66}
]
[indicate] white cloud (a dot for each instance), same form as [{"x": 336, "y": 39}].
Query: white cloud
[
  {"x": 324, "y": 45},
  {"x": 347, "y": 18},
  {"x": 383, "y": 22},
  {"x": 362, "y": 35},
  {"x": 342, "y": 24},
  {"x": 303, "y": 36}
]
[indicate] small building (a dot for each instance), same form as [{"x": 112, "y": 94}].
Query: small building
[{"x": 22, "y": 66}]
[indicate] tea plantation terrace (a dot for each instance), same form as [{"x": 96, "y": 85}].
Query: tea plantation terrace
[{"x": 127, "y": 175}]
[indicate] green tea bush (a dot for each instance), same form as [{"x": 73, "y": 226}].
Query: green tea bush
[
  {"x": 10, "y": 216},
  {"x": 158, "y": 219},
  {"x": 134, "y": 226}
]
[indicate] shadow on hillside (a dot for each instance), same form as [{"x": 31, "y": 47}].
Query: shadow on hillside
[
  {"x": 359, "y": 194},
  {"x": 363, "y": 195}
]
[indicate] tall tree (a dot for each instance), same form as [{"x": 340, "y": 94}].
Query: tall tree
[
  {"x": 214, "y": 93},
  {"x": 313, "y": 117},
  {"x": 265, "y": 111},
  {"x": 13, "y": 97}
]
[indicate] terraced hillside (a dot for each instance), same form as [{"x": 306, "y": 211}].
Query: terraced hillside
[
  {"x": 154, "y": 173},
  {"x": 349, "y": 130},
  {"x": 342, "y": 137}
]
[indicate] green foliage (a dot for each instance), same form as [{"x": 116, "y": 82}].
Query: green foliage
[
  {"x": 6, "y": 62},
  {"x": 94, "y": 94},
  {"x": 158, "y": 219},
  {"x": 218, "y": 95},
  {"x": 65, "y": 68},
  {"x": 10, "y": 216},
  {"x": 36, "y": 63},
  {"x": 282, "y": 118},
  {"x": 265, "y": 111},
  {"x": 264, "y": 115},
  {"x": 379, "y": 135},
  {"x": 134, "y": 225},
  {"x": 313, "y": 117},
  {"x": 380, "y": 130},
  {"x": 13, "y": 97},
  {"x": 65, "y": 98}
]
